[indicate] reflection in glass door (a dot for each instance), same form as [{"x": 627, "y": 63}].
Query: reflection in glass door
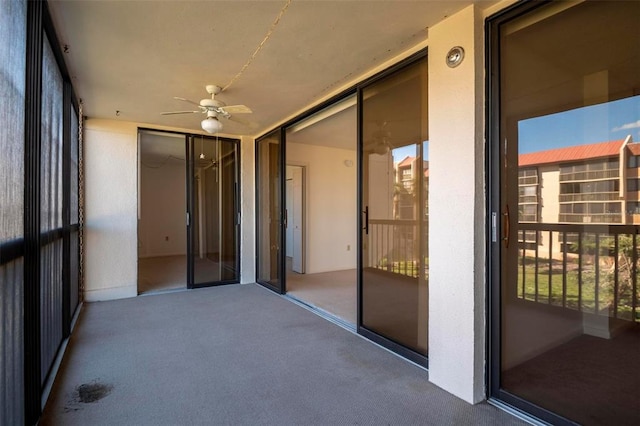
[
  {"x": 213, "y": 217},
  {"x": 270, "y": 212},
  {"x": 394, "y": 182},
  {"x": 567, "y": 331}
]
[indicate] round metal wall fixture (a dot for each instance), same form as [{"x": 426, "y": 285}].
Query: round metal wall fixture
[{"x": 455, "y": 56}]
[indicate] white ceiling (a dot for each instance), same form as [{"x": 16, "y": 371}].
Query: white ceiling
[{"x": 135, "y": 56}]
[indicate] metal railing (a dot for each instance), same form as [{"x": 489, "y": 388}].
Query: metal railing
[
  {"x": 602, "y": 218},
  {"x": 589, "y": 175},
  {"x": 588, "y": 268},
  {"x": 394, "y": 246},
  {"x": 590, "y": 196}
]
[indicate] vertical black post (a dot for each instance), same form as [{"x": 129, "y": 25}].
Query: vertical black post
[
  {"x": 32, "y": 369},
  {"x": 191, "y": 194},
  {"x": 282, "y": 273},
  {"x": 66, "y": 210},
  {"x": 360, "y": 204}
]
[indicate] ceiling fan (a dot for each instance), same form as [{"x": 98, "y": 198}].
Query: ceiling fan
[{"x": 214, "y": 109}]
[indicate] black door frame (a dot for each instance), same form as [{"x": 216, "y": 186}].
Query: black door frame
[
  {"x": 189, "y": 141},
  {"x": 494, "y": 230},
  {"x": 356, "y": 89},
  {"x": 281, "y": 286}
]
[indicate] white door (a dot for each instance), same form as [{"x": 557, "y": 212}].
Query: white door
[{"x": 297, "y": 219}]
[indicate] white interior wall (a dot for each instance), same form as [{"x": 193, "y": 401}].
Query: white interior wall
[
  {"x": 331, "y": 206},
  {"x": 289, "y": 207},
  {"x": 456, "y": 208},
  {"x": 162, "y": 229}
]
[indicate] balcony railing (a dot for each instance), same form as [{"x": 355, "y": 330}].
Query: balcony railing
[
  {"x": 394, "y": 246},
  {"x": 589, "y": 175},
  {"x": 590, "y": 196},
  {"x": 603, "y": 218},
  {"x": 597, "y": 273}
]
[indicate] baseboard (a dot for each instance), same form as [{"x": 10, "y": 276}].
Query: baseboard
[
  {"x": 145, "y": 256},
  {"x": 110, "y": 293}
]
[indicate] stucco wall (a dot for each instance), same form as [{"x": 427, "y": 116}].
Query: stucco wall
[
  {"x": 110, "y": 170},
  {"x": 456, "y": 208}
]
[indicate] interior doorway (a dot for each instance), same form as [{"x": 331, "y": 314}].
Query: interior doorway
[
  {"x": 162, "y": 201},
  {"x": 294, "y": 225},
  {"x": 187, "y": 211},
  {"x": 321, "y": 212}
]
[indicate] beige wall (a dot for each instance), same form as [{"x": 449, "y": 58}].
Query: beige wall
[
  {"x": 331, "y": 206},
  {"x": 162, "y": 229},
  {"x": 111, "y": 209},
  {"x": 456, "y": 208},
  {"x": 110, "y": 219}
]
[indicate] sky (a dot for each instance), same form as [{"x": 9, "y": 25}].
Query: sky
[{"x": 597, "y": 123}]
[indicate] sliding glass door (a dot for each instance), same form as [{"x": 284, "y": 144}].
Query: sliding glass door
[
  {"x": 565, "y": 151},
  {"x": 270, "y": 219},
  {"x": 213, "y": 217},
  {"x": 188, "y": 227},
  {"x": 394, "y": 182}
]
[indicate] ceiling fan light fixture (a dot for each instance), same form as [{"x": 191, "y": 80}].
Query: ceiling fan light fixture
[{"x": 211, "y": 125}]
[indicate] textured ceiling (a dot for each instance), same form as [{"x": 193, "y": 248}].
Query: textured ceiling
[{"x": 135, "y": 56}]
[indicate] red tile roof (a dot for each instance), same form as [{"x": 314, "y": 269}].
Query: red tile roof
[
  {"x": 571, "y": 153},
  {"x": 634, "y": 148},
  {"x": 407, "y": 161}
]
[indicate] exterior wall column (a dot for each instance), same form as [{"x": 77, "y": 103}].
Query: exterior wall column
[
  {"x": 247, "y": 211},
  {"x": 457, "y": 208}
]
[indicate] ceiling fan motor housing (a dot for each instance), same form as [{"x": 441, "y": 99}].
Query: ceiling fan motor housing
[{"x": 211, "y": 103}]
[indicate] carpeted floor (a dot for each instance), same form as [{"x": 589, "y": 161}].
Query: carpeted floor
[
  {"x": 170, "y": 272},
  {"x": 590, "y": 380},
  {"x": 238, "y": 355},
  {"x": 334, "y": 292}
]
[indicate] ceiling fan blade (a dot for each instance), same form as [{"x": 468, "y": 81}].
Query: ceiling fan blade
[
  {"x": 186, "y": 100},
  {"x": 179, "y": 112},
  {"x": 237, "y": 109}
]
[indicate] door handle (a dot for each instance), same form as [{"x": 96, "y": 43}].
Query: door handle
[
  {"x": 366, "y": 220},
  {"x": 507, "y": 226}
]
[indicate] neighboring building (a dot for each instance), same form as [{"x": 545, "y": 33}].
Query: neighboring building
[
  {"x": 580, "y": 184},
  {"x": 407, "y": 173}
]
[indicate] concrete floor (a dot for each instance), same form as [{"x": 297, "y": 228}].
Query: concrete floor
[{"x": 238, "y": 355}]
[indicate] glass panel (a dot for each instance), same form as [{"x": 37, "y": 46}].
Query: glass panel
[
  {"x": 162, "y": 210},
  {"x": 215, "y": 206},
  {"x": 322, "y": 225},
  {"x": 394, "y": 192},
  {"x": 570, "y": 74},
  {"x": 269, "y": 210}
]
